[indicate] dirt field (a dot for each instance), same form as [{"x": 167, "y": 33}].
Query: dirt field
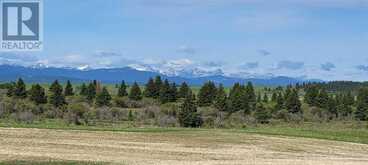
[{"x": 175, "y": 148}]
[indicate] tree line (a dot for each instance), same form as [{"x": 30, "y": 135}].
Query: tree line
[{"x": 265, "y": 105}]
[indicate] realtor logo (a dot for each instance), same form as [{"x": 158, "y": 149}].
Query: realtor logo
[{"x": 21, "y": 28}]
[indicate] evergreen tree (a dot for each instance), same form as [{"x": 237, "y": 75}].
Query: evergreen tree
[
  {"x": 150, "y": 89},
  {"x": 122, "y": 91},
  {"x": 183, "y": 90},
  {"x": 135, "y": 92},
  {"x": 188, "y": 115},
  {"x": 83, "y": 90},
  {"x": 158, "y": 85},
  {"x": 103, "y": 98},
  {"x": 332, "y": 106},
  {"x": 165, "y": 92},
  {"x": 292, "y": 103},
  {"x": 91, "y": 92},
  {"x": 259, "y": 97},
  {"x": 207, "y": 94},
  {"x": 279, "y": 102},
  {"x": 261, "y": 114},
  {"x": 236, "y": 101},
  {"x": 265, "y": 98},
  {"x": 349, "y": 99},
  {"x": 68, "y": 89},
  {"x": 37, "y": 94},
  {"x": 173, "y": 93},
  {"x": 311, "y": 93},
  {"x": 221, "y": 99},
  {"x": 56, "y": 97},
  {"x": 361, "y": 112},
  {"x": 250, "y": 94},
  {"x": 322, "y": 99},
  {"x": 20, "y": 89},
  {"x": 274, "y": 97}
]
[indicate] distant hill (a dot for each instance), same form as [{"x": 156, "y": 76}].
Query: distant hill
[{"x": 115, "y": 75}]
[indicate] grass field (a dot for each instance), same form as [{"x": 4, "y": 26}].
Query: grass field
[{"x": 52, "y": 146}]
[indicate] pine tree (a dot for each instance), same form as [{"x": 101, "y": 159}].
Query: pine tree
[
  {"x": 173, "y": 93},
  {"x": 207, "y": 94},
  {"x": 221, "y": 99},
  {"x": 261, "y": 114},
  {"x": 236, "y": 101},
  {"x": 250, "y": 93},
  {"x": 83, "y": 90},
  {"x": 37, "y": 94},
  {"x": 188, "y": 115},
  {"x": 183, "y": 90},
  {"x": 56, "y": 97},
  {"x": 361, "y": 112},
  {"x": 274, "y": 97},
  {"x": 158, "y": 85},
  {"x": 265, "y": 98},
  {"x": 91, "y": 92},
  {"x": 165, "y": 92},
  {"x": 122, "y": 91},
  {"x": 103, "y": 98},
  {"x": 292, "y": 103},
  {"x": 311, "y": 93},
  {"x": 68, "y": 89},
  {"x": 150, "y": 89},
  {"x": 332, "y": 106},
  {"x": 279, "y": 102},
  {"x": 322, "y": 99},
  {"x": 135, "y": 92},
  {"x": 20, "y": 89}
]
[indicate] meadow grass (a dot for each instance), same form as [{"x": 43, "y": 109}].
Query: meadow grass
[{"x": 347, "y": 132}]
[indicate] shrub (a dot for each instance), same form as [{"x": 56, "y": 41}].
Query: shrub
[
  {"x": 76, "y": 114},
  {"x": 26, "y": 117},
  {"x": 167, "y": 121}
]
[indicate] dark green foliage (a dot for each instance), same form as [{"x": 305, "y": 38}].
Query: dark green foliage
[
  {"x": 37, "y": 94},
  {"x": 265, "y": 98},
  {"x": 236, "y": 98},
  {"x": 83, "y": 90},
  {"x": 103, "y": 98},
  {"x": 274, "y": 97},
  {"x": 19, "y": 90},
  {"x": 261, "y": 114},
  {"x": 279, "y": 102},
  {"x": 165, "y": 92},
  {"x": 311, "y": 93},
  {"x": 332, "y": 107},
  {"x": 188, "y": 115},
  {"x": 56, "y": 97},
  {"x": 292, "y": 102},
  {"x": 68, "y": 89},
  {"x": 150, "y": 89},
  {"x": 322, "y": 99},
  {"x": 157, "y": 87},
  {"x": 250, "y": 94},
  {"x": 207, "y": 94},
  {"x": 122, "y": 91},
  {"x": 221, "y": 99},
  {"x": 91, "y": 92},
  {"x": 183, "y": 90},
  {"x": 173, "y": 93},
  {"x": 135, "y": 92},
  {"x": 130, "y": 115},
  {"x": 10, "y": 89},
  {"x": 361, "y": 112}
]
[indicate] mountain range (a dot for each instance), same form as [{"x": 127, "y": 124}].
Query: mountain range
[{"x": 43, "y": 74}]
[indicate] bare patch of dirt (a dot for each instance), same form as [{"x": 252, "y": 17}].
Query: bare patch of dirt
[{"x": 179, "y": 148}]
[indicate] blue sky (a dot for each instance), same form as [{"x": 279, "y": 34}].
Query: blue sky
[{"x": 324, "y": 39}]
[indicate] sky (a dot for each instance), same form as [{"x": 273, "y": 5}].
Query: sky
[{"x": 312, "y": 39}]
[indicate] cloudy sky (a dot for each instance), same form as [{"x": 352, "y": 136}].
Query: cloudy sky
[{"x": 323, "y": 39}]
